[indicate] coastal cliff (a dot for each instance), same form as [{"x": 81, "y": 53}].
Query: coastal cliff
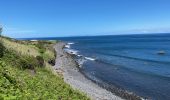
[{"x": 26, "y": 74}]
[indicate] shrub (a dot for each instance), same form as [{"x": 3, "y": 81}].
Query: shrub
[
  {"x": 40, "y": 45},
  {"x": 40, "y": 61},
  {"x": 22, "y": 61},
  {"x": 2, "y": 48},
  {"x": 28, "y": 62},
  {"x": 41, "y": 51}
]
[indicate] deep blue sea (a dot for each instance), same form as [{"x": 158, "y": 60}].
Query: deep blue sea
[{"x": 131, "y": 62}]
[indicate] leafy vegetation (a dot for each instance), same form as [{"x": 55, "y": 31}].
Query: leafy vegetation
[
  {"x": 1, "y": 49},
  {"x": 23, "y": 77}
]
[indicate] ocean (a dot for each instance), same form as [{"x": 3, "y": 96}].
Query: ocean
[{"x": 137, "y": 63}]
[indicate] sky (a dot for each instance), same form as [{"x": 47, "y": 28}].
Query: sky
[{"x": 58, "y": 18}]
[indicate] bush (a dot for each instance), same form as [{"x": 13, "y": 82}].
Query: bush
[
  {"x": 28, "y": 62},
  {"x": 2, "y": 48},
  {"x": 40, "y": 61},
  {"x": 40, "y": 45},
  {"x": 41, "y": 51},
  {"x": 22, "y": 61}
]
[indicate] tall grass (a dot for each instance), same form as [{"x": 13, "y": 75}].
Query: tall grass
[
  {"x": 22, "y": 76},
  {"x": 21, "y": 48}
]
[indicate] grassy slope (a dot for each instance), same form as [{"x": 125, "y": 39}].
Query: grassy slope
[{"x": 40, "y": 83}]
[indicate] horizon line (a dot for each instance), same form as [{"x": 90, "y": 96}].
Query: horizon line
[{"x": 94, "y": 35}]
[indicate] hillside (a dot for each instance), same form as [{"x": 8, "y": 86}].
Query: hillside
[{"x": 26, "y": 72}]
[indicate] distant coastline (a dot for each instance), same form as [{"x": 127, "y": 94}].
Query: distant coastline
[{"x": 54, "y": 38}]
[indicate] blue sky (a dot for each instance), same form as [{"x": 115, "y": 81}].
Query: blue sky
[{"x": 55, "y": 18}]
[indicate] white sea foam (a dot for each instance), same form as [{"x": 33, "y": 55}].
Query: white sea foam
[
  {"x": 70, "y": 43},
  {"x": 33, "y": 40},
  {"x": 88, "y": 58},
  {"x": 71, "y": 51},
  {"x": 79, "y": 55},
  {"x": 67, "y": 46}
]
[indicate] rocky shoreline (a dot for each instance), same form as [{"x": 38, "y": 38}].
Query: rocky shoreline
[{"x": 68, "y": 67}]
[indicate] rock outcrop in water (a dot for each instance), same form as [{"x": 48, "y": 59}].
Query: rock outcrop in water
[{"x": 162, "y": 52}]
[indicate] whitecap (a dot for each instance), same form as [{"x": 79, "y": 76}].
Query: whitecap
[
  {"x": 70, "y": 43},
  {"x": 67, "y": 46},
  {"x": 88, "y": 58},
  {"x": 79, "y": 55},
  {"x": 71, "y": 51}
]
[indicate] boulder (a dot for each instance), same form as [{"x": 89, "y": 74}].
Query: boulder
[{"x": 162, "y": 52}]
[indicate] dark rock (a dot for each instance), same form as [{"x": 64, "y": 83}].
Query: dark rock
[
  {"x": 161, "y": 52},
  {"x": 51, "y": 62}
]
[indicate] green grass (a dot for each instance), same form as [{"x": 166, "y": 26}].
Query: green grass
[
  {"x": 21, "y": 48},
  {"x": 37, "y": 48},
  {"x": 19, "y": 82},
  {"x": 23, "y": 85}
]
